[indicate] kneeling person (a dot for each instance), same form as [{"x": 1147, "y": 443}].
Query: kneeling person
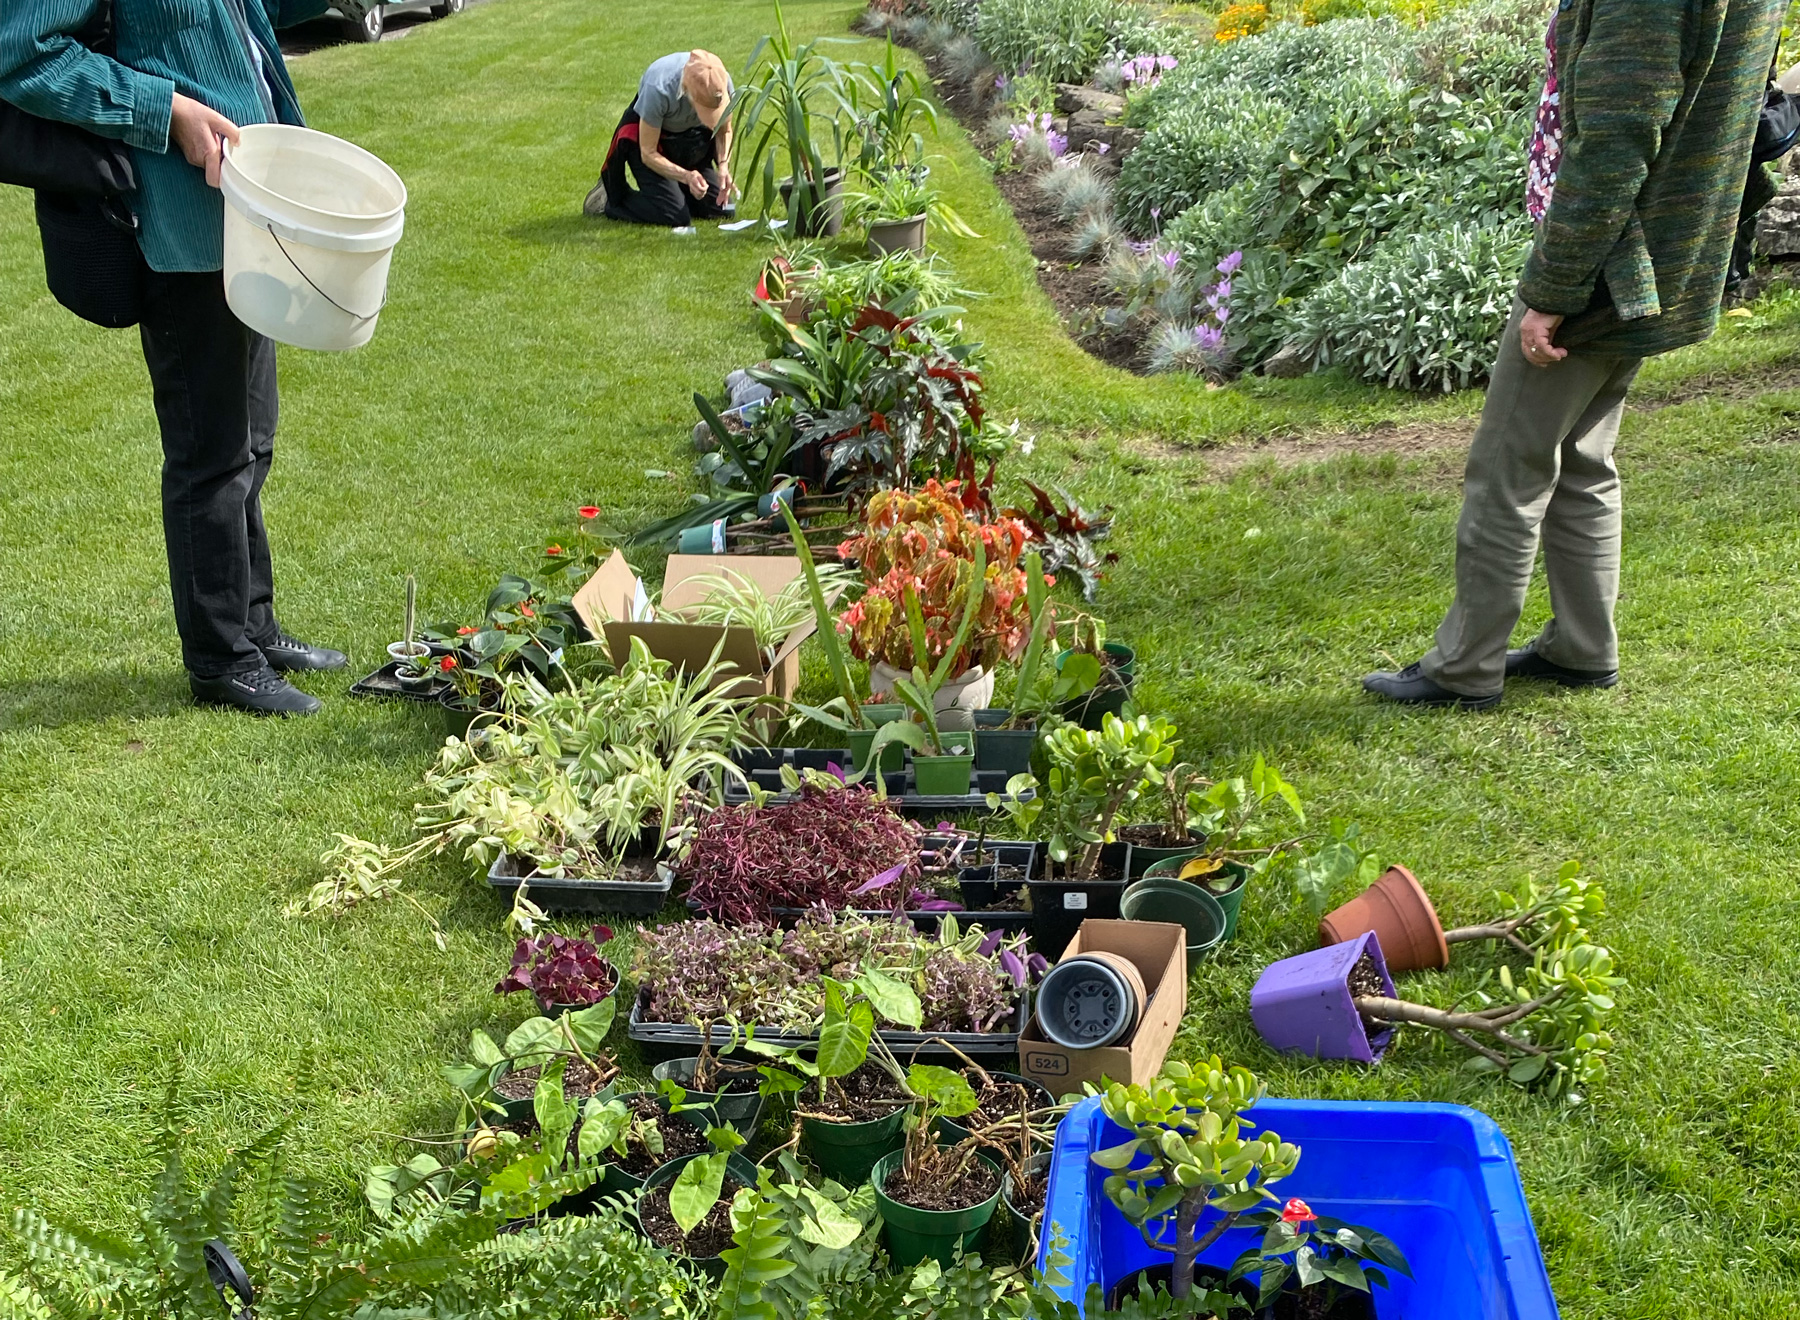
[{"x": 675, "y": 142}]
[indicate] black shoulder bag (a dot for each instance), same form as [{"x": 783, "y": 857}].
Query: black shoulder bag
[
  {"x": 91, "y": 260},
  {"x": 1778, "y": 126}
]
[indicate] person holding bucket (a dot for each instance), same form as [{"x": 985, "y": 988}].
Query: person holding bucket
[
  {"x": 178, "y": 81},
  {"x": 674, "y": 140}
]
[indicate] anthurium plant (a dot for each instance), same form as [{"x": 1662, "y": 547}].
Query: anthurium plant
[
  {"x": 1188, "y": 1155},
  {"x": 1304, "y": 1252}
]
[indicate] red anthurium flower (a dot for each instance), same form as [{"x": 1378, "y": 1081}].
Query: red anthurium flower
[
  {"x": 447, "y": 663},
  {"x": 553, "y": 550},
  {"x": 465, "y": 630},
  {"x": 589, "y": 511},
  {"x": 1297, "y": 1211},
  {"x": 527, "y": 611}
]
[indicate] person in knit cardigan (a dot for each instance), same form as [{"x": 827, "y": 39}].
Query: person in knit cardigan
[{"x": 1636, "y": 174}]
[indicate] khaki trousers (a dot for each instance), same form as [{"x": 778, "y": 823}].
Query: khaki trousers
[{"x": 1540, "y": 468}]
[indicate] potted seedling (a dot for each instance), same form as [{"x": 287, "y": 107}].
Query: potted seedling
[
  {"x": 1118, "y": 672},
  {"x": 896, "y": 206},
  {"x": 732, "y": 1091},
  {"x": 411, "y": 657},
  {"x": 941, "y": 768},
  {"x": 935, "y": 1200},
  {"x": 563, "y": 974},
  {"x": 1094, "y": 776},
  {"x": 1222, "y": 825},
  {"x": 685, "y": 1207},
  {"x": 1314, "y": 1267},
  {"x": 1188, "y": 1172},
  {"x": 1004, "y": 737},
  {"x": 501, "y": 1078}
]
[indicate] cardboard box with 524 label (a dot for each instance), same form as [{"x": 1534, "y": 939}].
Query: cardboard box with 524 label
[{"x": 1159, "y": 952}]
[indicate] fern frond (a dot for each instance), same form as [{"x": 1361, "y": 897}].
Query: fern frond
[
  {"x": 20, "y": 1301},
  {"x": 756, "y": 1258},
  {"x": 53, "y": 1243}
]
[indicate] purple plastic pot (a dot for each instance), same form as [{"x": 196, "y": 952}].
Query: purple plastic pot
[{"x": 1303, "y": 1003}]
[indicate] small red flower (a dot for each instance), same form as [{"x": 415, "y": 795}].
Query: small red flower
[
  {"x": 589, "y": 511},
  {"x": 1297, "y": 1211},
  {"x": 553, "y": 550},
  {"x": 527, "y": 611},
  {"x": 465, "y": 630},
  {"x": 447, "y": 663}
]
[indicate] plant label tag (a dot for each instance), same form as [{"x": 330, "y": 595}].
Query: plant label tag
[
  {"x": 640, "y": 604},
  {"x": 1075, "y": 902}
]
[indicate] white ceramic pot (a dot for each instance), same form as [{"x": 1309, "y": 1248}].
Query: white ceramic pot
[{"x": 956, "y": 702}]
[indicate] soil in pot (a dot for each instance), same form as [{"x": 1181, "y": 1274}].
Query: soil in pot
[
  {"x": 579, "y": 1081},
  {"x": 978, "y": 1182},
  {"x": 1027, "y": 1196},
  {"x": 1312, "y": 1304},
  {"x": 631, "y": 871},
  {"x": 1154, "y": 836},
  {"x": 680, "y": 1137},
  {"x": 1365, "y": 979},
  {"x": 866, "y": 1094},
  {"x": 1000, "y": 1099},
  {"x": 710, "y": 1236}
]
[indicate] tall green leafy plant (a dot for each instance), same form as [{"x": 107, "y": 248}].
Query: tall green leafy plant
[{"x": 794, "y": 97}]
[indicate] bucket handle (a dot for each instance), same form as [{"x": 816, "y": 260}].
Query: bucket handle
[{"x": 354, "y": 316}]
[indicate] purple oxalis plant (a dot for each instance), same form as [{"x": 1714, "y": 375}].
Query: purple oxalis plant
[{"x": 561, "y": 969}]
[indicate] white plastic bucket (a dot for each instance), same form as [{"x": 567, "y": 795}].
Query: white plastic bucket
[{"x": 310, "y": 224}]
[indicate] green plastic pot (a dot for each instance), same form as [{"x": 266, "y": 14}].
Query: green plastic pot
[
  {"x": 878, "y": 713},
  {"x": 1019, "y": 1223},
  {"x": 943, "y": 776},
  {"x": 737, "y": 1167},
  {"x": 1160, "y": 898},
  {"x": 848, "y": 1151},
  {"x": 457, "y": 713},
  {"x": 1144, "y": 857},
  {"x": 1005, "y": 750},
  {"x": 914, "y": 1235},
  {"x": 743, "y": 1110},
  {"x": 1229, "y": 902}
]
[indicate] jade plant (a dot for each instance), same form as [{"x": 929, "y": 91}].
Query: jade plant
[
  {"x": 1545, "y": 1027},
  {"x": 1535, "y": 916},
  {"x": 1095, "y": 775},
  {"x": 1189, "y": 1155}
]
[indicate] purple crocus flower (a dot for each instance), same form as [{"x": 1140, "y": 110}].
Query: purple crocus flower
[
  {"x": 1156, "y": 213},
  {"x": 1208, "y": 338},
  {"x": 1057, "y": 141},
  {"x": 1171, "y": 259},
  {"x": 1231, "y": 263},
  {"x": 1224, "y": 314},
  {"x": 1103, "y": 147}
]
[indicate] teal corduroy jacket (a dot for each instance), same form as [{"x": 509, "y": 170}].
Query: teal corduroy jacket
[{"x": 201, "y": 48}]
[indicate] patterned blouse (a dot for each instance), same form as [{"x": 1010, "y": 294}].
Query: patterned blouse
[{"x": 1545, "y": 153}]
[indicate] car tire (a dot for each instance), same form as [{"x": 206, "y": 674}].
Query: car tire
[
  {"x": 371, "y": 25},
  {"x": 447, "y": 8}
]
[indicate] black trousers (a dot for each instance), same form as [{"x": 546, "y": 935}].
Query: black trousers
[
  {"x": 214, "y": 382},
  {"x": 658, "y": 200}
]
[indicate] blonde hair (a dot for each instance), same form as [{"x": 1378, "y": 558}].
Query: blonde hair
[{"x": 705, "y": 81}]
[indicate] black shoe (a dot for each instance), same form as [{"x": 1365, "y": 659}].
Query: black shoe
[
  {"x": 261, "y": 691},
  {"x": 1527, "y": 663},
  {"x": 289, "y": 654},
  {"x": 1411, "y": 687}
]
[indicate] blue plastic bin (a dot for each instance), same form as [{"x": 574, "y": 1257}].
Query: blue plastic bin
[{"x": 1440, "y": 1180}]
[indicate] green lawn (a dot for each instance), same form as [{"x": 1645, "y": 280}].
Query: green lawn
[{"x": 530, "y": 361}]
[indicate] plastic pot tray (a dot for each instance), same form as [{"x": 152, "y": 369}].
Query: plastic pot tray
[
  {"x": 765, "y": 772},
  {"x": 1440, "y": 1180},
  {"x": 660, "y": 1041},
  {"x": 557, "y": 894},
  {"x": 384, "y": 685}
]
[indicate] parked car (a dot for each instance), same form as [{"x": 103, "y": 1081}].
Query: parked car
[{"x": 369, "y": 17}]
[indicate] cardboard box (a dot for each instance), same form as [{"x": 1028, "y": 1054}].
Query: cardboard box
[
  {"x": 612, "y": 604},
  {"x": 1159, "y": 951}
]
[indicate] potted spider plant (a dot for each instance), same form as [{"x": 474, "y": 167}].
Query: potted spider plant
[{"x": 896, "y": 206}]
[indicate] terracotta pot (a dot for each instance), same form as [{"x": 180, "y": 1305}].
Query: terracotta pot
[{"x": 1397, "y": 909}]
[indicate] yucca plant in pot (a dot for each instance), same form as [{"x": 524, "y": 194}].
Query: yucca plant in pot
[{"x": 794, "y": 99}]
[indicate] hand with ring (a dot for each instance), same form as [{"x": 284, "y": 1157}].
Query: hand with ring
[{"x": 1537, "y": 338}]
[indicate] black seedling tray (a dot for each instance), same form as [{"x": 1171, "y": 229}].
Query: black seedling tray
[
  {"x": 660, "y": 1041},
  {"x": 384, "y": 685},
  {"x": 557, "y": 894},
  {"x": 761, "y": 769}
]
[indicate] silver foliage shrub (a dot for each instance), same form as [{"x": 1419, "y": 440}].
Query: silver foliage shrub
[{"x": 1422, "y": 311}]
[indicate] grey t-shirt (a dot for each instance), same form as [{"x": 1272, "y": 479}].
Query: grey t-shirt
[{"x": 660, "y": 101}]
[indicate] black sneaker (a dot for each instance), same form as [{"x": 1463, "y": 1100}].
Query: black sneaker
[
  {"x": 1411, "y": 687},
  {"x": 1527, "y": 663},
  {"x": 261, "y": 691},
  {"x": 289, "y": 654}
]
